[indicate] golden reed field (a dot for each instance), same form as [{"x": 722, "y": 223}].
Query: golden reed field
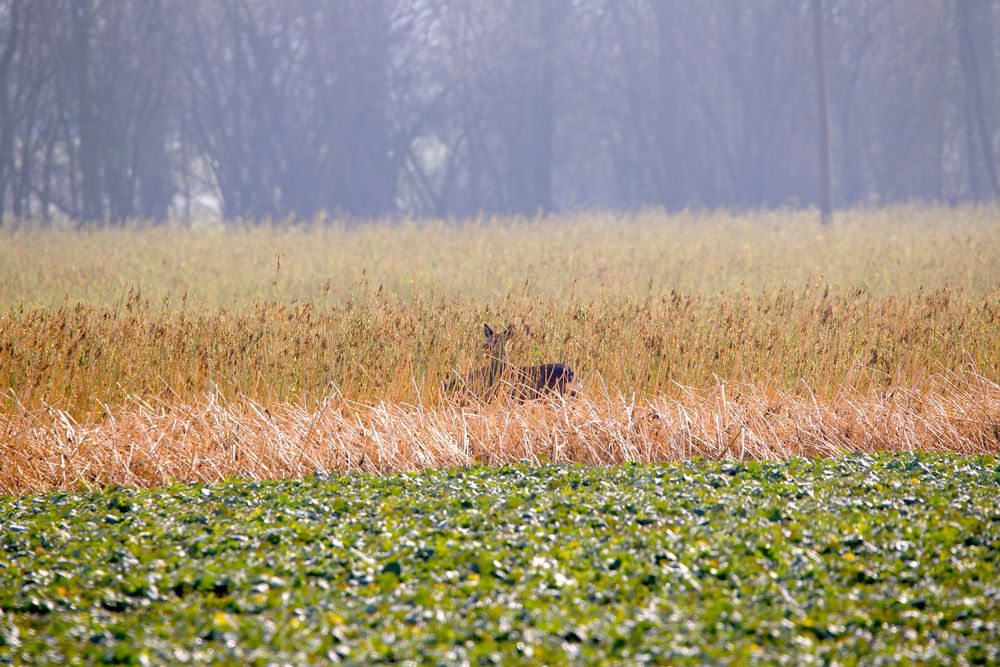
[{"x": 142, "y": 355}]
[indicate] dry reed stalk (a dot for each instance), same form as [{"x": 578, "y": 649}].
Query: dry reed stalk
[
  {"x": 371, "y": 350},
  {"x": 152, "y": 443}
]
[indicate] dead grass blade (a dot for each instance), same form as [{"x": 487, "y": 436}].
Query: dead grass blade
[{"x": 154, "y": 442}]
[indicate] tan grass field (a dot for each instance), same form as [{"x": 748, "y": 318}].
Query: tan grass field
[
  {"x": 141, "y": 355},
  {"x": 155, "y": 442},
  {"x": 84, "y": 358},
  {"x": 584, "y": 257}
]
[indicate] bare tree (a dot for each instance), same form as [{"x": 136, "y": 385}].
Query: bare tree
[
  {"x": 116, "y": 109},
  {"x": 973, "y": 20},
  {"x": 823, "y": 123},
  {"x": 12, "y": 29}
]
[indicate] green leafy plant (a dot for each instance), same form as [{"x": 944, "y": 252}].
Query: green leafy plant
[{"x": 861, "y": 558}]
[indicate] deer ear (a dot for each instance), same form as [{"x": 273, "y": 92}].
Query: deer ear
[
  {"x": 509, "y": 331},
  {"x": 487, "y": 331}
]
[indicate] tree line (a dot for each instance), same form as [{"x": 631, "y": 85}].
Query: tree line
[{"x": 119, "y": 109}]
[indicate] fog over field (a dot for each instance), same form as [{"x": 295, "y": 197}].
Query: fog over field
[{"x": 157, "y": 109}]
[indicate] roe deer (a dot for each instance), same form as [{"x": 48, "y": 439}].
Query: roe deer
[{"x": 519, "y": 382}]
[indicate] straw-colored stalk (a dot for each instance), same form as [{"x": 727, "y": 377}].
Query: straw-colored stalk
[{"x": 153, "y": 443}]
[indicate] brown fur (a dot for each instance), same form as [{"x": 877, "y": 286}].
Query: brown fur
[{"x": 500, "y": 377}]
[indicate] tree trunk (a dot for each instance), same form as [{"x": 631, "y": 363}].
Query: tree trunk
[
  {"x": 974, "y": 93},
  {"x": 544, "y": 122},
  {"x": 7, "y": 116},
  {"x": 87, "y": 123},
  {"x": 826, "y": 196}
]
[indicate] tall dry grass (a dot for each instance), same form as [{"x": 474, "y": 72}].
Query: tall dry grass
[
  {"x": 591, "y": 256},
  {"x": 144, "y": 354},
  {"x": 83, "y": 358},
  {"x": 153, "y": 442}
]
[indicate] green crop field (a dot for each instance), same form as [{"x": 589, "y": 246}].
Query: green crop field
[{"x": 890, "y": 559}]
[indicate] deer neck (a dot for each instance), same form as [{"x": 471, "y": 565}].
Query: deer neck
[{"x": 498, "y": 363}]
